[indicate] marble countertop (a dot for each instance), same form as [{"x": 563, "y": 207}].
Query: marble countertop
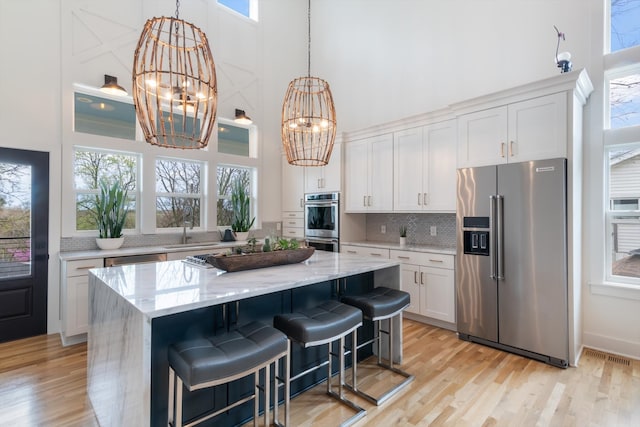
[
  {"x": 163, "y": 288},
  {"x": 445, "y": 250}
]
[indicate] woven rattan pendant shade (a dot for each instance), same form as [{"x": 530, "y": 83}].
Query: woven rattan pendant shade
[
  {"x": 174, "y": 84},
  {"x": 308, "y": 117},
  {"x": 308, "y": 122}
]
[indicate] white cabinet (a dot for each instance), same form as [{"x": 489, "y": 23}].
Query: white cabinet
[
  {"x": 293, "y": 225},
  {"x": 425, "y": 168},
  {"x": 365, "y": 251},
  {"x": 324, "y": 179},
  {"x": 528, "y": 130},
  {"x": 429, "y": 280},
  {"x": 75, "y": 298},
  {"x": 292, "y": 187},
  {"x": 369, "y": 174}
]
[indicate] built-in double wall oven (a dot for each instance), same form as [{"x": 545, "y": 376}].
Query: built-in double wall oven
[{"x": 322, "y": 221}]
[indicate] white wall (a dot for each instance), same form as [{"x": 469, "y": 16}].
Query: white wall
[{"x": 30, "y": 117}]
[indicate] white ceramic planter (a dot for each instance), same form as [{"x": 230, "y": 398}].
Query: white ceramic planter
[
  {"x": 241, "y": 235},
  {"x": 403, "y": 241},
  {"x": 111, "y": 243}
]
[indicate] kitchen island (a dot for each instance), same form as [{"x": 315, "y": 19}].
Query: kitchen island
[{"x": 137, "y": 311}]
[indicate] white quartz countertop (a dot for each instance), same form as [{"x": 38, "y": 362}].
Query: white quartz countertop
[
  {"x": 163, "y": 288},
  {"x": 446, "y": 250}
]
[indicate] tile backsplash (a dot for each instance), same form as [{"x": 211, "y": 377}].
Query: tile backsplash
[{"x": 418, "y": 228}]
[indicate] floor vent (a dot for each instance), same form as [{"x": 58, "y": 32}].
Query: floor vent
[{"x": 607, "y": 357}]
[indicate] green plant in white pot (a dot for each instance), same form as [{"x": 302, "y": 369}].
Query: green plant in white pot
[
  {"x": 240, "y": 204},
  {"x": 111, "y": 212}
]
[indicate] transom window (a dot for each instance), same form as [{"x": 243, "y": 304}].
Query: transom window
[
  {"x": 90, "y": 167},
  {"x": 179, "y": 193},
  {"x": 248, "y": 8}
]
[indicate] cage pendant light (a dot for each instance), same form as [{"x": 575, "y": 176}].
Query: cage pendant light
[
  {"x": 174, "y": 84},
  {"x": 308, "y": 117}
]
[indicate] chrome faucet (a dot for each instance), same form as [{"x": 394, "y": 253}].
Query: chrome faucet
[{"x": 187, "y": 212}]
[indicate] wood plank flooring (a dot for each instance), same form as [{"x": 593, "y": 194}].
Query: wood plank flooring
[{"x": 457, "y": 384}]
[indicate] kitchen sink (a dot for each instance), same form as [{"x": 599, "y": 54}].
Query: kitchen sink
[{"x": 191, "y": 245}]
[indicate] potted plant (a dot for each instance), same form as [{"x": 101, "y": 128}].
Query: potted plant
[
  {"x": 403, "y": 235},
  {"x": 240, "y": 205},
  {"x": 111, "y": 212}
]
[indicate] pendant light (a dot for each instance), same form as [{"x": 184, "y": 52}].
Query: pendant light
[
  {"x": 308, "y": 117},
  {"x": 174, "y": 84}
]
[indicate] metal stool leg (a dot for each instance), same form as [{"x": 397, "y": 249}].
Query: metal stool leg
[{"x": 389, "y": 366}]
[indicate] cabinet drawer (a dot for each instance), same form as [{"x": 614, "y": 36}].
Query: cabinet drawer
[
  {"x": 438, "y": 261},
  {"x": 290, "y": 232},
  {"x": 293, "y": 222},
  {"x": 81, "y": 266},
  {"x": 292, "y": 214},
  {"x": 365, "y": 251},
  {"x": 423, "y": 258}
]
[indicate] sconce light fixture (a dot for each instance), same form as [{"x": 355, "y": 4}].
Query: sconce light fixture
[
  {"x": 242, "y": 118},
  {"x": 563, "y": 59},
  {"x": 112, "y": 87}
]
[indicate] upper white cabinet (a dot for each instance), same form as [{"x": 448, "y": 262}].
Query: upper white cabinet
[
  {"x": 321, "y": 179},
  {"x": 369, "y": 174},
  {"x": 425, "y": 168},
  {"x": 527, "y": 130},
  {"x": 292, "y": 187}
]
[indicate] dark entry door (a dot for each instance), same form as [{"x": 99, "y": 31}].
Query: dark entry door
[{"x": 24, "y": 245}]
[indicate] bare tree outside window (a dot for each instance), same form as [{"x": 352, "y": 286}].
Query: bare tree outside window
[
  {"x": 625, "y": 24},
  {"x": 178, "y": 190},
  {"x": 226, "y": 176},
  {"x": 92, "y": 167},
  {"x": 15, "y": 219}
]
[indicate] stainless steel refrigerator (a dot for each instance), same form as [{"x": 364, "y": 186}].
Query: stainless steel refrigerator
[{"x": 511, "y": 263}]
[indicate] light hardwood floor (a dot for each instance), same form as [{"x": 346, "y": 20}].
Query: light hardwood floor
[{"x": 457, "y": 383}]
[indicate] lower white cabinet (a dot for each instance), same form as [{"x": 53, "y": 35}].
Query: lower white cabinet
[
  {"x": 293, "y": 225},
  {"x": 75, "y": 298},
  {"x": 429, "y": 280}
]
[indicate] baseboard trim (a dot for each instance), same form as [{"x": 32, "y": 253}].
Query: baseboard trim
[{"x": 612, "y": 345}]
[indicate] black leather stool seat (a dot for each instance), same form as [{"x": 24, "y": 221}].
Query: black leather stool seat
[
  {"x": 208, "y": 359},
  {"x": 380, "y": 302},
  {"x": 322, "y": 323}
]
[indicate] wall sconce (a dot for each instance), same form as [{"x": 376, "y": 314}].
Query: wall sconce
[
  {"x": 242, "y": 118},
  {"x": 112, "y": 87},
  {"x": 563, "y": 59}
]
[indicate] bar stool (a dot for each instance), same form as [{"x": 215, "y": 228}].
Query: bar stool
[
  {"x": 219, "y": 359},
  {"x": 328, "y": 322},
  {"x": 379, "y": 304}
]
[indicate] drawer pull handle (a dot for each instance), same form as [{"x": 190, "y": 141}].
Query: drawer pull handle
[
  {"x": 435, "y": 260},
  {"x": 375, "y": 254},
  {"x": 86, "y": 268},
  {"x": 352, "y": 252},
  {"x": 403, "y": 257},
  {"x": 415, "y": 277},
  {"x": 421, "y": 278}
]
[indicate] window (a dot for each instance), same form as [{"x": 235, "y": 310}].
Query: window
[
  {"x": 624, "y": 31},
  {"x": 624, "y": 100},
  {"x": 226, "y": 177},
  {"x": 622, "y": 142},
  {"x": 233, "y": 139},
  {"x": 179, "y": 193},
  {"x": 248, "y": 8},
  {"x": 90, "y": 167},
  {"x": 102, "y": 116}
]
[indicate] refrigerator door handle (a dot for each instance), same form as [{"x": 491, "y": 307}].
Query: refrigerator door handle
[
  {"x": 492, "y": 233},
  {"x": 500, "y": 235}
]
